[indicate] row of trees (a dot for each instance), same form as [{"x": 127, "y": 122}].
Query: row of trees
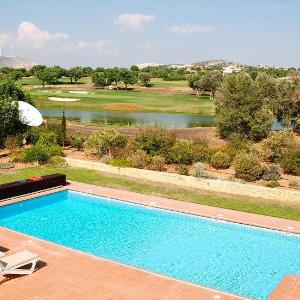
[
  {"x": 205, "y": 82},
  {"x": 248, "y": 106},
  {"x": 104, "y": 77}
]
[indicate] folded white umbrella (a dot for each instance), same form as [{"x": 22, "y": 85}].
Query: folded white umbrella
[{"x": 29, "y": 115}]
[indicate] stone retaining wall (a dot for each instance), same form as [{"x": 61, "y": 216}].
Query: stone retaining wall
[{"x": 211, "y": 185}]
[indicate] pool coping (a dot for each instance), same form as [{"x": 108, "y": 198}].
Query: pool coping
[{"x": 287, "y": 226}]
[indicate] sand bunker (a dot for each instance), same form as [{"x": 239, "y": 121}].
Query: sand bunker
[
  {"x": 78, "y": 92},
  {"x": 63, "y": 99}
]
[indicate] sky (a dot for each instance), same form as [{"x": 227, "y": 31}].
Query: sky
[{"x": 126, "y": 32}]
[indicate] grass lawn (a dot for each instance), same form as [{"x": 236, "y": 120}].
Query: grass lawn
[
  {"x": 258, "y": 206},
  {"x": 125, "y": 100},
  {"x": 158, "y": 82},
  {"x": 30, "y": 81}
]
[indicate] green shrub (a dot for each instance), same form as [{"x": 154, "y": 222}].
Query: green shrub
[
  {"x": 201, "y": 172},
  {"x": 236, "y": 145},
  {"x": 41, "y": 154},
  {"x": 294, "y": 183},
  {"x": 271, "y": 172},
  {"x": 278, "y": 145},
  {"x": 37, "y": 153},
  {"x": 158, "y": 163},
  {"x": 47, "y": 138},
  {"x": 106, "y": 142},
  {"x": 183, "y": 170},
  {"x": 155, "y": 140},
  {"x": 7, "y": 165},
  {"x": 248, "y": 167},
  {"x": 220, "y": 160},
  {"x": 55, "y": 150},
  {"x": 77, "y": 141},
  {"x": 57, "y": 162},
  {"x": 13, "y": 142},
  {"x": 182, "y": 153},
  {"x": 33, "y": 135},
  {"x": 201, "y": 151},
  {"x": 121, "y": 162},
  {"x": 17, "y": 155},
  {"x": 272, "y": 184},
  {"x": 140, "y": 159},
  {"x": 291, "y": 163}
]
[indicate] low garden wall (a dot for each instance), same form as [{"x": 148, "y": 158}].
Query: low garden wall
[{"x": 211, "y": 185}]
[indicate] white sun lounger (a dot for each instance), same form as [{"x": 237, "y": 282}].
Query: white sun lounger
[{"x": 12, "y": 264}]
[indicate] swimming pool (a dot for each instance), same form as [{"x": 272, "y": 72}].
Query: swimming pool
[{"x": 239, "y": 259}]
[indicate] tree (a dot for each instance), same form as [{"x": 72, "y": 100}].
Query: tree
[
  {"x": 144, "y": 78},
  {"x": 63, "y": 130},
  {"x": 46, "y": 76},
  {"x": 36, "y": 69},
  {"x": 99, "y": 79},
  {"x": 134, "y": 68},
  {"x": 127, "y": 77},
  {"x": 87, "y": 71},
  {"x": 113, "y": 75},
  {"x": 191, "y": 79},
  {"x": 74, "y": 74},
  {"x": 286, "y": 108},
  {"x": 10, "y": 123},
  {"x": 242, "y": 108}
]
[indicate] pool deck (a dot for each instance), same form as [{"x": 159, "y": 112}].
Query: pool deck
[{"x": 69, "y": 274}]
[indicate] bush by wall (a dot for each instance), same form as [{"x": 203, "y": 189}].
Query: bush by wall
[
  {"x": 248, "y": 167},
  {"x": 158, "y": 163},
  {"x": 201, "y": 151},
  {"x": 106, "y": 142},
  {"x": 182, "y": 153},
  {"x": 291, "y": 163},
  {"x": 278, "y": 145},
  {"x": 271, "y": 172},
  {"x": 183, "y": 170},
  {"x": 220, "y": 160},
  {"x": 140, "y": 159},
  {"x": 155, "y": 140}
]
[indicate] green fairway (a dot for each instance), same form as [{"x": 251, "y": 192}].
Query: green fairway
[
  {"x": 125, "y": 100},
  {"x": 32, "y": 81},
  {"x": 258, "y": 206},
  {"x": 158, "y": 82}
]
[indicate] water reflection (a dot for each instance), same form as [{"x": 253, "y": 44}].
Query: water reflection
[{"x": 137, "y": 118}]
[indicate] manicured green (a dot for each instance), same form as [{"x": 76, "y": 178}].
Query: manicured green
[
  {"x": 258, "y": 206},
  {"x": 125, "y": 100}
]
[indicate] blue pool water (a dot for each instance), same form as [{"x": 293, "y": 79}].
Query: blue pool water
[{"x": 238, "y": 259}]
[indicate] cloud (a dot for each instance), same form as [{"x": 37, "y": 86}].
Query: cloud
[
  {"x": 133, "y": 22},
  {"x": 31, "y": 35},
  {"x": 82, "y": 45},
  {"x": 280, "y": 7},
  {"x": 106, "y": 47},
  {"x": 187, "y": 29}
]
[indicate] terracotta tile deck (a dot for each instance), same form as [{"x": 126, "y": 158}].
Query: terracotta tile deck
[{"x": 69, "y": 274}]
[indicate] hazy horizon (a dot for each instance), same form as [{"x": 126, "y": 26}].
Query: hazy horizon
[{"x": 124, "y": 33}]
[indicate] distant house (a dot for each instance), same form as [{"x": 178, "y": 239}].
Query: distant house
[{"x": 231, "y": 69}]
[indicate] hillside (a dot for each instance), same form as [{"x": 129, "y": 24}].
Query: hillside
[
  {"x": 15, "y": 62},
  {"x": 216, "y": 62}
]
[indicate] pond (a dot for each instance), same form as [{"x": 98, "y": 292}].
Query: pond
[{"x": 137, "y": 118}]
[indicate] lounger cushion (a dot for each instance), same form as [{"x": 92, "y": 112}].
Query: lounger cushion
[
  {"x": 2, "y": 266},
  {"x": 19, "y": 258}
]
